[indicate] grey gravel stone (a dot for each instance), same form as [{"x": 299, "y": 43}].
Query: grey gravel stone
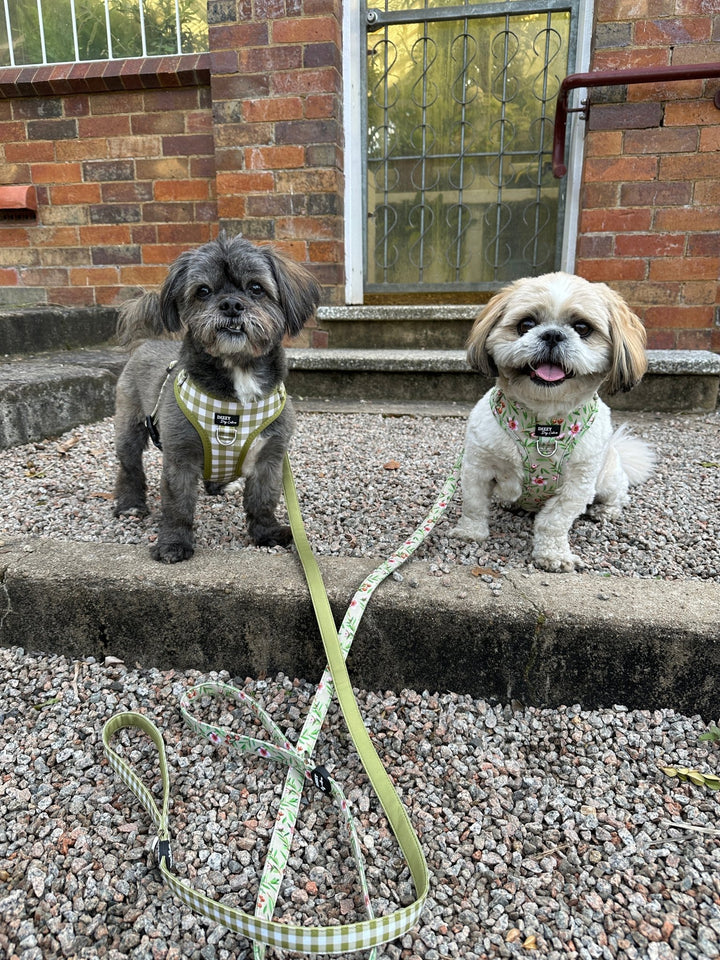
[
  {"x": 356, "y": 503},
  {"x": 536, "y": 845}
]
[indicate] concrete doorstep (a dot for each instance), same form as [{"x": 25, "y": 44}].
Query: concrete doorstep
[{"x": 544, "y": 639}]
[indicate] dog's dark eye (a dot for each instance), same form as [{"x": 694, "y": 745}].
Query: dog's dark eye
[
  {"x": 203, "y": 292},
  {"x": 582, "y": 329},
  {"x": 526, "y": 325},
  {"x": 256, "y": 289}
]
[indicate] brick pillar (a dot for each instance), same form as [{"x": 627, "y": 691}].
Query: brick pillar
[{"x": 276, "y": 88}]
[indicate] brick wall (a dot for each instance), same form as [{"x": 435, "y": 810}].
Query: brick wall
[
  {"x": 277, "y": 96},
  {"x": 650, "y": 220},
  {"x": 123, "y": 169}
]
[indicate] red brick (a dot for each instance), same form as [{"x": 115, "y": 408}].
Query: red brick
[
  {"x": 165, "y": 168},
  {"x": 8, "y": 277},
  {"x": 187, "y": 145},
  {"x": 704, "y": 244},
  {"x": 167, "y": 122},
  {"x": 269, "y": 59},
  {"x": 707, "y": 192},
  {"x": 322, "y": 106},
  {"x": 615, "y": 220},
  {"x": 702, "y": 113},
  {"x": 244, "y": 182},
  {"x": 608, "y": 271},
  {"x": 603, "y": 143},
  {"x": 661, "y": 339},
  {"x": 278, "y": 108},
  {"x": 600, "y": 195},
  {"x": 710, "y": 139},
  {"x": 630, "y": 57},
  {"x": 650, "y": 245},
  {"x": 671, "y": 32},
  {"x": 679, "y": 317},
  {"x": 79, "y": 193},
  {"x": 656, "y": 194},
  {"x": 627, "y": 169},
  {"x": 72, "y": 296},
  {"x": 686, "y": 268},
  {"x": 151, "y": 276},
  {"x": 181, "y": 190},
  {"x": 235, "y": 36},
  {"x": 102, "y": 126},
  {"x": 664, "y": 140},
  {"x": 162, "y": 253},
  {"x": 688, "y": 218},
  {"x": 694, "y": 340},
  {"x": 83, "y": 149},
  {"x": 326, "y": 80},
  {"x": 692, "y": 167},
  {"x": 625, "y": 116},
  {"x": 274, "y": 158},
  {"x": 29, "y": 152},
  {"x": 105, "y": 233},
  {"x": 189, "y": 234},
  {"x": 306, "y": 30}
]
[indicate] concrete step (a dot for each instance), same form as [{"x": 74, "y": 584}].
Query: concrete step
[
  {"x": 416, "y": 327},
  {"x": 47, "y": 394},
  {"x": 545, "y": 640}
]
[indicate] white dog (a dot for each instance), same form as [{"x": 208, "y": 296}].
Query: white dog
[{"x": 541, "y": 439}]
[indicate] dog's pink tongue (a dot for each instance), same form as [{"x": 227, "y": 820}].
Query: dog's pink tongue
[{"x": 548, "y": 371}]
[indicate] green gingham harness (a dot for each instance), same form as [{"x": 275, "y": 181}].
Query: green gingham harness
[
  {"x": 260, "y": 928},
  {"x": 544, "y": 447},
  {"x": 227, "y": 428}
]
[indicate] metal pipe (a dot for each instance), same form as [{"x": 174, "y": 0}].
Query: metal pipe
[{"x": 609, "y": 78}]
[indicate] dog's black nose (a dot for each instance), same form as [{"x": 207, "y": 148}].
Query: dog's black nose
[
  {"x": 552, "y": 337},
  {"x": 231, "y": 307}
]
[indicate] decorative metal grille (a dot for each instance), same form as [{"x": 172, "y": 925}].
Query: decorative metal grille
[{"x": 460, "y": 101}]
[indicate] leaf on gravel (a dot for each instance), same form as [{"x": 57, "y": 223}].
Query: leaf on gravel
[
  {"x": 485, "y": 572},
  {"x": 392, "y": 465},
  {"x": 67, "y": 445},
  {"x": 102, "y": 496},
  {"x": 709, "y": 780}
]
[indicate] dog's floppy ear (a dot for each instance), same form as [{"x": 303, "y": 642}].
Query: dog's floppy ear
[
  {"x": 628, "y": 341},
  {"x": 172, "y": 292},
  {"x": 477, "y": 355},
  {"x": 298, "y": 290}
]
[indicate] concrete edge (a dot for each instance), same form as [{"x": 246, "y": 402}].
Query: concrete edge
[
  {"x": 543, "y": 639},
  {"x": 670, "y": 362}
]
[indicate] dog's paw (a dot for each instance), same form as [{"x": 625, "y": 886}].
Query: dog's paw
[
  {"x": 475, "y": 531},
  {"x": 171, "y": 552},
  {"x": 567, "y": 563},
  {"x": 135, "y": 510},
  {"x": 279, "y": 536}
]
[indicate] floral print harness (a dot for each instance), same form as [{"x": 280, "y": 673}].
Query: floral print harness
[{"x": 545, "y": 447}]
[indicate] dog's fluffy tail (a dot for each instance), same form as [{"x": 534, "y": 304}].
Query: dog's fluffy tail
[
  {"x": 139, "y": 319},
  {"x": 637, "y": 457}
]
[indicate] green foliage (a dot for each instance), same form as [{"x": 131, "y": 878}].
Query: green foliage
[
  {"x": 125, "y": 29},
  {"x": 708, "y": 780}
]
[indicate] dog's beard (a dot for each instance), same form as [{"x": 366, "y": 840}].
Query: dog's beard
[{"x": 253, "y": 333}]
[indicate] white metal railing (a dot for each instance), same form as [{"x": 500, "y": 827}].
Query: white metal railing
[{"x": 149, "y": 27}]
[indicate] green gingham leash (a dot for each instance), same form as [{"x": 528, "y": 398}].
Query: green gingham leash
[{"x": 261, "y": 929}]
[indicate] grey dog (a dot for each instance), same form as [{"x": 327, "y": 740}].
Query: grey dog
[{"x": 234, "y": 302}]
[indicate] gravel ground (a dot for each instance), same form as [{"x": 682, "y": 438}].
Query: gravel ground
[
  {"x": 548, "y": 833},
  {"x": 365, "y": 481}
]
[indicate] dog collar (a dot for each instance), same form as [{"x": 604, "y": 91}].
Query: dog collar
[
  {"x": 545, "y": 447},
  {"x": 227, "y": 428}
]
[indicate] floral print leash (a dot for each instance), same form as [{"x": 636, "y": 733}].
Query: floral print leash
[{"x": 260, "y": 927}]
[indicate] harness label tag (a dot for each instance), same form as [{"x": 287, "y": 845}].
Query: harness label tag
[
  {"x": 321, "y": 779},
  {"x": 548, "y": 429},
  {"x": 226, "y": 420}
]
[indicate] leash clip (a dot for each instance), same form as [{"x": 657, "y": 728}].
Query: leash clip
[{"x": 162, "y": 851}]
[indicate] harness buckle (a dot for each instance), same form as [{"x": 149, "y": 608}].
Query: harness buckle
[{"x": 546, "y": 453}]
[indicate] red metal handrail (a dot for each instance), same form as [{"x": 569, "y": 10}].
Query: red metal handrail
[{"x": 609, "y": 78}]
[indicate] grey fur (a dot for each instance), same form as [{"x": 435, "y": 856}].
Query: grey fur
[{"x": 234, "y": 303}]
